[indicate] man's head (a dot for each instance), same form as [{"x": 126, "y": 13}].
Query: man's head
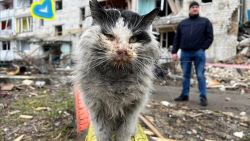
[{"x": 194, "y": 8}]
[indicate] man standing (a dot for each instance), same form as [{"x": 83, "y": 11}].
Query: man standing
[{"x": 194, "y": 35}]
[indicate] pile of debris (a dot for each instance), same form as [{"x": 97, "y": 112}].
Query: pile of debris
[
  {"x": 236, "y": 75},
  {"x": 228, "y": 78},
  {"x": 182, "y": 123}
]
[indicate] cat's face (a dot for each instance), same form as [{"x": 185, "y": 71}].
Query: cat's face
[{"x": 124, "y": 35}]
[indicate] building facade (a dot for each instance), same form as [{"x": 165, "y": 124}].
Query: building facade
[{"x": 23, "y": 36}]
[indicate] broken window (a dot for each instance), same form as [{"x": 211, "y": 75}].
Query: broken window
[
  {"x": 41, "y": 22},
  {"x": 23, "y": 46},
  {"x": 160, "y": 4},
  {"x": 24, "y": 3},
  {"x": 6, "y": 4},
  {"x": 120, "y": 4},
  {"x": 207, "y": 1},
  {"x": 24, "y": 24},
  {"x": 6, "y": 25},
  {"x": 58, "y": 30},
  {"x": 6, "y": 45},
  {"x": 83, "y": 13},
  {"x": 59, "y": 4}
]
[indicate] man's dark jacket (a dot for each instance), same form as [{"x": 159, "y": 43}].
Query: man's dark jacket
[{"x": 193, "y": 34}]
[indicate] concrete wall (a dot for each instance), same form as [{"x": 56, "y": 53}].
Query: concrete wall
[{"x": 220, "y": 13}]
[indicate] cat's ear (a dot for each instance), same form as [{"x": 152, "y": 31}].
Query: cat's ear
[
  {"x": 149, "y": 18},
  {"x": 97, "y": 11}
]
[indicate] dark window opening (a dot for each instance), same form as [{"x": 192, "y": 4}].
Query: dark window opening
[
  {"x": 167, "y": 39},
  {"x": 162, "y": 11},
  {"x": 207, "y": 1},
  {"x": 170, "y": 38},
  {"x": 169, "y": 11},
  {"x": 6, "y": 25},
  {"x": 59, "y": 30},
  {"x": 83, "y": 13},
  {"x": 120, "y": 4},
  {"x": 3, "y": 25},
  {"x": 6, "y": 45},
  {"x": 41, "y": 22},
  {"x": 57, "y": 53},
  {"x": 164, "y": 42},
  {"x": 7, "y": 5},
  {"x": 59, "y": 5}
]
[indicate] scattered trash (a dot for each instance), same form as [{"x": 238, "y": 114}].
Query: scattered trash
[
  {"x": 14, "y": 112},
  {"x": 194, "y": 131},
  {"x": 243, "y": 114},
  {"x": 40, "y": 84},
  {"x": 66, "y": 113},
  {"x": 26, "y": 116},
  {"x": 148, "y": 132},
  {"x": 5, "y": 129},
  {"x": 228, "y": 99},
  {"x": 166, "y": 103},
  {"x": 28, "y": 82},
  {"x": 43, "y": 109},
  {"x": 239, "y": 134},
  {"x": 1, "y": 106},
  {"x": 7, "y": 87},
  {"x": 222, "y": 88},
  {"x": 19, "y": 138}
]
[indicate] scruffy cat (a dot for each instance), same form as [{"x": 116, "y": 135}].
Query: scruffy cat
[{"x": 114, "y": 62}]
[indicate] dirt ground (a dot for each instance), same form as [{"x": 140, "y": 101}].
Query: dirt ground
[
  {"x": 47, "y": 113},
  {"x": 37, "y": 113},
  {"x": 225, "y": 101}
]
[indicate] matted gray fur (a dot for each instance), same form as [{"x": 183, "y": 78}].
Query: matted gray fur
[{"x": 114, "y": 67}]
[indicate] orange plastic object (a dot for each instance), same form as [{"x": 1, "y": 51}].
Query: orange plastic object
[{"x": 82, "y": 115}]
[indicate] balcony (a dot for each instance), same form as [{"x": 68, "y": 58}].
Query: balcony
[
  {"x": 7, "y": 13},
  {"x": 22, "y": 12},
  {"x": 166, "y": 24},
  {"x": 7, "y": 32}
]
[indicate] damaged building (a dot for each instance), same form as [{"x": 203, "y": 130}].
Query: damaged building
[
  {"x": 22, "y": 36},
  {"x": 224, "y": 15}
]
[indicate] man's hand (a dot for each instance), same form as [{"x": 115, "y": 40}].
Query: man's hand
[{"x": 175, "y": 57}]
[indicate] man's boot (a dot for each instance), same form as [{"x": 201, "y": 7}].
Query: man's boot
[
  {"x": 203, "y": 101},
  {"x": 182, "y": 98}
]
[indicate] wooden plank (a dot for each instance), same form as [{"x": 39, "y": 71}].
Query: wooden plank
[{"x": 151, "y": 126}]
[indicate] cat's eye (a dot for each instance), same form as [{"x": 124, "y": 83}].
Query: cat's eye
[
  {"x": 133, "y": 39},
  {"x": 110, "y": 37}
]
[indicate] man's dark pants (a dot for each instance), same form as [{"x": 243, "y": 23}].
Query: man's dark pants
[{"x": 199, "y": 59}]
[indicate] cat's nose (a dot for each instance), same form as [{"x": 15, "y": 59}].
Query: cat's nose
[{"x": 122, "y": 52}]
